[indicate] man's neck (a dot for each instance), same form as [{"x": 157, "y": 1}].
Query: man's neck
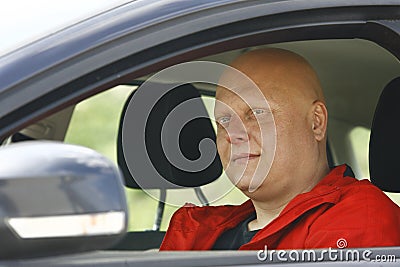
[
  {"x": 268, "y": 211},
  {"x": 264, "y": 216}
]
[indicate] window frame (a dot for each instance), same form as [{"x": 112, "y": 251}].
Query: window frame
[
  {"x": 83, "y": 72},
  {"x": 115, "y": 61}
]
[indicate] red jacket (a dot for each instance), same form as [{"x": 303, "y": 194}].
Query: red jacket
[{"x": 338, "y": 207}]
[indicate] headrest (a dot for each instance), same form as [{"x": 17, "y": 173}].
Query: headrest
[
  {"x": 159, "y": 132},
  {"x": 384, "y": 144}
]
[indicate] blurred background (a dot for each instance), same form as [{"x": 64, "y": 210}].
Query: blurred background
[{"x": 103, "y": 111}]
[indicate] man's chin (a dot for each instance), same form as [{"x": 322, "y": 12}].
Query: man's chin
[
  {"x": 249, "y": 186},
  {"x": 244, "y": 185}
]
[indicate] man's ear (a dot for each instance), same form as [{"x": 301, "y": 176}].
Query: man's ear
[{"x": 319, "y": 120}]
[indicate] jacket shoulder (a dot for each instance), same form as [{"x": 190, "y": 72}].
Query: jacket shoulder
[{"x": 364, "y": 216}]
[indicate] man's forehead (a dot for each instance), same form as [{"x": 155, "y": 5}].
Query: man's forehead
[
  {"x": 252, "y": 97},
  {"x": 258, "y": 87}
]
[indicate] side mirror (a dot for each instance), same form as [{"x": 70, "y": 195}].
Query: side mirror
[{"x": 57, "y": 198}]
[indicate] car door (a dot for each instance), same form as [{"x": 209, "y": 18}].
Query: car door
[{"x": 143, "y": 37}]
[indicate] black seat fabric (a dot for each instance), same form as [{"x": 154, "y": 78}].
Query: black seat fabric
[
  {"x": 384, "y": 146},
  {"x": 192, "y": 133},
  {"x": 190, "y": 136}
]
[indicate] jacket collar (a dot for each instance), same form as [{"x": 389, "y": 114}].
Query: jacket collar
[{"x": 327, "y": 191}]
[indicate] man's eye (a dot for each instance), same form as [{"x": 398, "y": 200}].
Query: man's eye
[
  {"x": 257, "y": 111},
  {"x": 223, "y": 120}
]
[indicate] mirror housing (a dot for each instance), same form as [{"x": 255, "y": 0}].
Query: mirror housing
[{"x": 57, "y": 198}]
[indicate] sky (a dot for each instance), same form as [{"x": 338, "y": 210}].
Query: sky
[{"x": 22, "y": 21}]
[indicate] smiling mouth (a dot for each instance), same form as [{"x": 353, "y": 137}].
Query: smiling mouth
[{"x": 244, "y": 158}]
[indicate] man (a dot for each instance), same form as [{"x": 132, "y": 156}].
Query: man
[{"x": 300, "y": 203}]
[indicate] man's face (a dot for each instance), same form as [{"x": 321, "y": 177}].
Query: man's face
[
  {"x": 266, "y": 148},
  {"x": 246, "y": 136}
]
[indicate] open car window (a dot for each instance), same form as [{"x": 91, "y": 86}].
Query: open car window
[{"x": 95, "y": 121}]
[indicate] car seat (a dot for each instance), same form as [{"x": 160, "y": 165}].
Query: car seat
[
  {"x": 194, "y": 131},
  {"x": 384, "y": 145}
]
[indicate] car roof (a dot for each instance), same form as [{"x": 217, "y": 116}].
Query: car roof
[{"x": 41, "y": 18}]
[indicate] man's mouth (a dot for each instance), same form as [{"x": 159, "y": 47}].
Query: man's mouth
[{"x": 243, "y": 158}]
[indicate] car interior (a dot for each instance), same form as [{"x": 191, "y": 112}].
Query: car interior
[{"x": 361, "y": 87}]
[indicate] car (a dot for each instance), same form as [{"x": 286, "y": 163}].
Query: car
[{"x": 82, "y": 84}]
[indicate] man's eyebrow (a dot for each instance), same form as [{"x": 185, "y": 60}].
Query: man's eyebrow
[
  {"x": 274, "y": 110},
  {"x": 220, "y": 111}
]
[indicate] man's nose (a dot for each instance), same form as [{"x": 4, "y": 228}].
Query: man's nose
[{"x": 236, "y": 131}]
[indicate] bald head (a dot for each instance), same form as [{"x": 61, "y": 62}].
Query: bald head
[
  {"x": 288, "y": 88},
  {"x": 279, "y": 74}
]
